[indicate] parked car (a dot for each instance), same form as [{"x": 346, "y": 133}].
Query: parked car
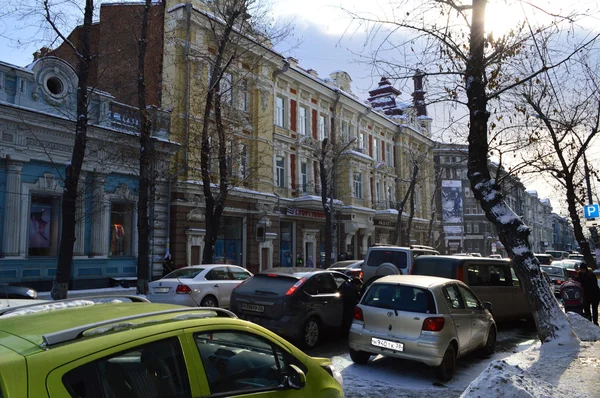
[
  {"x": 557, "y": 254},
  {"x": 296, "y": 302},
  {"x": 576, "y": 256},
  {"x": 208, "y": 285},
  {"x": 491, "y": 279},
  {"x": 421, "y": 318},
  {"x": 495, "y": 255},
  {"x": 544, "y": 259},
  {"x": 17, "y": 292},
  {"x": 392, "y": 260},
  {"x": 557, "y": 274},
  {"x": 164, "y": 351},
  {"x": 352, "y": 268}
]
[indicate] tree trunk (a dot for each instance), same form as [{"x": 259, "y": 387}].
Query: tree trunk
[
  {"x": 577, "y": 228},
  {"x": 411, "y": 215},
  {"x": 146, "y": 156},
  {"x": 326, "y": 201},
  {"x": 400, "y": 236},
  {"x": 60, "y": 285},
  {"x": 513, "y": 234}
]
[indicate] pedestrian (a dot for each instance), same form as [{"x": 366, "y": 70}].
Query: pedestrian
[
  {"x": 309, "y": 262},
  {"x": 342, "y": 256},
  {"x": 591, "y": 292},
  {"x": 300, "y": 260}
]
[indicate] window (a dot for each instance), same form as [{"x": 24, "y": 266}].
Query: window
[
  {"x": 280, "y": 172},
  {"x": 280, "y": 111},
  {"x": 470, "y": 299},
  {"x": 238, "y": 274},
  {"x": 361, "y": 140},
  {"x": 22, "y": 85},
  {"x": 377, "y": 192},
  {"x": 388, "y": 155},
  {"x": 344, "y": 131},
  {"x": 401, "y": 298},
  {"x": 358, "y": 185},
  {"x": 43, "y": 225},
  {"x": 390, "y": 196},
  {"x": 448, "y": 173},
  {"x": 320, "y": 284},
  {"x": 226, "y": 88},
  {"x": 1, "y": 81},
  {"x": 453, "y": 297},
  {"x": 375, "y": 149},
  {"x": 304, "y": 176},
  {"x": 218, "y": 274},
  {"x": 476, "y": 228},
  {"x": 303, "y": 120},
  {"x": 237, "y": 362},
  {"x": 156, "y": 369},
  {"x": 244, "y": 96},
  {"x": 468, "y": 228},
  {"x": 243, "y": 161},
  {"x": 322, "y": 128},
  {"x": 488, "y": 275},
  {"x": 468, "y": 192},
  {"x": 120, "y": 229}
]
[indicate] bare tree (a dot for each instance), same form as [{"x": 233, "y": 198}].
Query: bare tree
[
  {"x": 400, "y": 233},
  {"x": 473, "y": 65}
]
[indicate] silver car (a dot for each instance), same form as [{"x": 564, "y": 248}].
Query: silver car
[
  {"x": 208, "y": 285},
  {"x": 421, "y": 318}
]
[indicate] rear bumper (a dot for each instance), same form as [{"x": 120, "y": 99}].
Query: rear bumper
[
  {"x": 288, "y": 326},
  {"x": 427, "y": 349}
]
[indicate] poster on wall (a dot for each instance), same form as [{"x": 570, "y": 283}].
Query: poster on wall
[
  {"x": 452, "y": 201},
  {"x": 39, "y": 226}
]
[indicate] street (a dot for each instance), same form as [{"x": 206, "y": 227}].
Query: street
[{"x": 390, "y": 377}]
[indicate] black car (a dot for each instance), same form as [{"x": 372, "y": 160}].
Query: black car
[
  {"x": 351, "y": 268},
  {"x": 17, "y": 292},
  {"x": 297, "y": 303}
]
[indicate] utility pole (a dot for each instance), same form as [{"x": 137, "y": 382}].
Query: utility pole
[{"x": 593, "y": 230}]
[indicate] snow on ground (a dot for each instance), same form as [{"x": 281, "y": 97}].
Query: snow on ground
[{"x": 563, "y": 367}]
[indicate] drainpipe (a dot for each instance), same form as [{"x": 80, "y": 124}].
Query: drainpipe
[
  {"x": 188, "y": 7},
  {"x": 338, "y": 96}
]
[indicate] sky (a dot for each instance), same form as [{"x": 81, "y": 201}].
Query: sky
[{"x": 324, "y": 39}]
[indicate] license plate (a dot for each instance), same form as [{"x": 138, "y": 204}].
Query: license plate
[
  {"x": 390, "y": 345},
  {"x": 161, "y": 290},
  {"x": 253, "y": 307}
]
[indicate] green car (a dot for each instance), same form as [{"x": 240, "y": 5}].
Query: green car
[{"x": 113, "y": 349}]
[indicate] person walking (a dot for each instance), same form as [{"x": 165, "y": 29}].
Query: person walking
[
  {"x": 591, "y": 292},
  {"x": 309, "y": 262},
  {"x": 300, "y": 260}
]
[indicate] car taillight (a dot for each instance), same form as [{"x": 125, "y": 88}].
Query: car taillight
[
  {"x": 433, "y": 324},
  {"x": 295, "y": 287},
  {"x": 360, "y": 275},
  {"x": 358, "y": 315},
  {"x": 558, "y": 282},
  {"x": 183, "y": 289}
]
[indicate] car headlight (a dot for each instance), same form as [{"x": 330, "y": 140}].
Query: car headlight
[{"x": 334, "y": 373}]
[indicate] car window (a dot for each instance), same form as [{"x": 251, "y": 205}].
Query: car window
[
  {"x": 184, "y": 273},
  {"x": 378, "y": 257},
  {"x": 264, "y": 284},
  {"x": 453, "y": 297},
  {"x": 401, "y": 298},
  {"x": 488, "y": 275},
  {"x": 442, "y": 267},
  {"x": 152, "y": 370},
  {"x": 515, "y": 280},
  {"x": 321, "y": 284},
  {"x": 554, "y": 271},
  {"x": 218, "y": 274},
  {"x": 236, "y": 362},
  {"x": 471, "y": 301},
  {"x": 239, "y": 274},
  {"x": 339, "y": 279}
]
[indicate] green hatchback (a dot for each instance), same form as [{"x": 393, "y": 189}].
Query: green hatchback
[{"x": 115, "y": 349}]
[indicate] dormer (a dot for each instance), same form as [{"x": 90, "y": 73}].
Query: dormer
[{"x": 342, "y": 80}]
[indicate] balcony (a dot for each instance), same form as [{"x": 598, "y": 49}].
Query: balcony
[{"x": 127, "y": 118}]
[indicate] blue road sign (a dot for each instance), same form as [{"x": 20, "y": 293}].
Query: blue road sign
[{"x": 591, "y": 211}]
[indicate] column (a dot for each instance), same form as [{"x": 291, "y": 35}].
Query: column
[
  {"x": 100, "y": 221},
  {"x": 79, "y": 247},
  {"x": 12, "y": 208}
]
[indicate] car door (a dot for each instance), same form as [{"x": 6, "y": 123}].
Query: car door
[
  {"x": 460, "y": 315},
  {"x": 324, "y": 299},
  {"x": 479, "y": 318},
  {"x": 219, "y": 282},
  {"x": 241, "y": 363}
]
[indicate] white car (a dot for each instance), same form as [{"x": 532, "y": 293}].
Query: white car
[{"x": 207, "y": 285}]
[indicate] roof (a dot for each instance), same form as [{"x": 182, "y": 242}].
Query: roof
[
  {"x": 414, "y": 280},
  {"x": 34, "y": 328},
  {"x": 296, "y": 272}
]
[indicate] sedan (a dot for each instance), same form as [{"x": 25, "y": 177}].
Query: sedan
[
  {"x": 557, "y": 274},
  {"x": 208, "y": 285},
  {"x": 352, "y": 268},
  {"x": 421, "y": 318}
]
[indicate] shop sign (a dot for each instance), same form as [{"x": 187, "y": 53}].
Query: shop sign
[
  {"x": 292, "y": 211},
  {"x": 385, "y": 223}
]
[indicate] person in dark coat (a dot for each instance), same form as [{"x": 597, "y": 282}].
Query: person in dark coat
[{"x": 591, "y": 292}]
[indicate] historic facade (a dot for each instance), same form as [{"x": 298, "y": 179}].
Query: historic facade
[{"x": 37, "y": 109}]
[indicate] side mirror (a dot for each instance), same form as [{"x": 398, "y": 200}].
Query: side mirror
[
  {"x": 487, "y": 306},
  {"x": 295, "y": 379}
]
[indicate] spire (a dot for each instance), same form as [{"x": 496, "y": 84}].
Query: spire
[
  {"x": 383, "y": 98},
  {"x": 419, "y": 94}
]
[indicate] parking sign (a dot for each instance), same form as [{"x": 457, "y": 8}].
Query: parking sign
[{"x": 591, "y": 211}]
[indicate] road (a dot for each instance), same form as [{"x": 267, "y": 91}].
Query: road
[{"x": 390, "y": 378}]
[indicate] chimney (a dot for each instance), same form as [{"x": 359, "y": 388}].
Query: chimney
[
  {"x": 419, "y": 94},
  {"x": 292, "y": 61}
]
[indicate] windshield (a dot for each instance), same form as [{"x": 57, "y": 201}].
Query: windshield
[
  {"x": 554, "y": 271},
  {"x": 184, "y": 273},
  {"x": 378, "y": 257}
]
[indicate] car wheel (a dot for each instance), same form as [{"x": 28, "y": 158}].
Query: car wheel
[
  {"x": 445, "y": 371},
  {"x": 359, "y": 357},
  {"x": 311, "y": 332},
  {"x": 209, "y": 301},
  {"x": 490, "y": 344}
]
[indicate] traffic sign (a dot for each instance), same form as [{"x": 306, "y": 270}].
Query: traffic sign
[
  {"x": 594, "y": 222},
  {"x": 591, "y": 211}
]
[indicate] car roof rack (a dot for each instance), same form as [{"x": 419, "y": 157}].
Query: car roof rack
[
  {"x": 63, "y": 336},
  {"x": 133, "y": 298}
]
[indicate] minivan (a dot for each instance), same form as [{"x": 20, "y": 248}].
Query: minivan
[
  {"x": 392, "y": 260},
  {"x": 491, "y": 279}
]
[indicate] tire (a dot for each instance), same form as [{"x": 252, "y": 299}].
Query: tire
[
  {"x": 209, "y": 301},
  {"x": 490, "y": 344},
  {"x": 311, "y": 333},
  {"x": 445, "y": 371},
  {"x": 359, "y": 357}
]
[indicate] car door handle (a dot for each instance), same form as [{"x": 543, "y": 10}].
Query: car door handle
[{"x": 217, "y": 285}]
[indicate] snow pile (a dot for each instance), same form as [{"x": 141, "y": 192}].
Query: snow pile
[
  {"x": 585, "y": 330},
  {"x": 48, "y": 307}
]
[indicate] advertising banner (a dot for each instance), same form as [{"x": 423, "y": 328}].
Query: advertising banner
[{"x": 452, "y": 210}]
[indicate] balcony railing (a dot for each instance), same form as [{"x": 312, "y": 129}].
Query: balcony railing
[{"x": 127, "y": 118}]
